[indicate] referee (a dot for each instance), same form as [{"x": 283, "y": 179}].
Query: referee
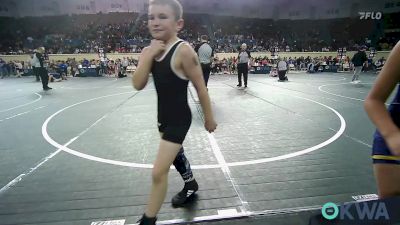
[
  {"x": 243, "y": 60},
  {"x": 205, "y": 53}
]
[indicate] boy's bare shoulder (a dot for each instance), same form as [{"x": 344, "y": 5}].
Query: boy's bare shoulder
[
  {"x": 145, "y": 49},
  {"x": 186, "y": 50}
]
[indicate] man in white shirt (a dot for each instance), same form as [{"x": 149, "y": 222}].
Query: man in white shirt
[
  {"x": 125, "y": 64},
  {"x": 35, "y": 65},
  {"x": 205, "y": 53},
  {"x": 243, "y": 60},
  {"x": 19, "y": 68},
  {"x": 282, "y": 68}
]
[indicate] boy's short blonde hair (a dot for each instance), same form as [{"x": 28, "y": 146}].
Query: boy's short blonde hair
[{"x": 174, "y": 4}]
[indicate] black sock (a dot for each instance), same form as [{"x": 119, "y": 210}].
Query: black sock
[{"x": 183, "y": 166}]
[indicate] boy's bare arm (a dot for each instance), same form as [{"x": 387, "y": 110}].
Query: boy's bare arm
[
  {"x": 191, "y": 67},
  {"x": 385, "y": 83},
  {"x": 141, "y": 75},
  {"x": 375, "y": 101}
]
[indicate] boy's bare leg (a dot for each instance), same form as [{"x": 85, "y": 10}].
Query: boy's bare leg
[
  {"x": 388, "y": 179},
  {"x": 165, "y": 157}
]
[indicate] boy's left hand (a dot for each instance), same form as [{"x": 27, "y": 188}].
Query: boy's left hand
[{"x": 210, "y": 125}]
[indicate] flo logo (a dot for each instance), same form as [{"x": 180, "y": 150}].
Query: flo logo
[
  {"x": 370, "y": 15},
  {"x": 359, "y": 211}
]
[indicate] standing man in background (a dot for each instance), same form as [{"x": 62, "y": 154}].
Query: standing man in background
[
  {"x": 282, "y": 69},
  {"x": 205, "y": 53},
  {"x": 35, "y": 65},
  {"x": 2, "y": 68},
  {"x": 243, "y": 67},
  {"x": 125, "y": 64},
  {"x": 42, "y": 70},
  {"x": 359, "y": 60}
]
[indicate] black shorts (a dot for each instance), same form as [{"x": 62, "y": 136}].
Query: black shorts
[{"x": 174, "y": 133}]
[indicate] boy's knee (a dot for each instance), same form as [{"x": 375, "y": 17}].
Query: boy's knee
[{"x": 159, "y": 175}]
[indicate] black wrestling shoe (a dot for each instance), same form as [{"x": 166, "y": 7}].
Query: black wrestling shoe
[
  {"x": 239, "y": 85},
  {"x": 147, "y": 220},
  {"x": 187, "y": 194}
]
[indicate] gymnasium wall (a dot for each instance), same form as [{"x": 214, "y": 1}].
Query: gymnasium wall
[{"x": 271, "y": 9}]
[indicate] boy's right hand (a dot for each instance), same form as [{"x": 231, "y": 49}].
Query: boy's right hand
[
  {"x": 393, "y": 141},
  {"x": 156, "y": 48}
]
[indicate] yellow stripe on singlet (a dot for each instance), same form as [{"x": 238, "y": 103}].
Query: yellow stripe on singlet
[{"x": 386, "y": 157}]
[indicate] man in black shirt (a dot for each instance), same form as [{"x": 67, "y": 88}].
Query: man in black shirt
[
  {"x": 358, "y": 60},
  {"x": 42, "y": 70}
]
